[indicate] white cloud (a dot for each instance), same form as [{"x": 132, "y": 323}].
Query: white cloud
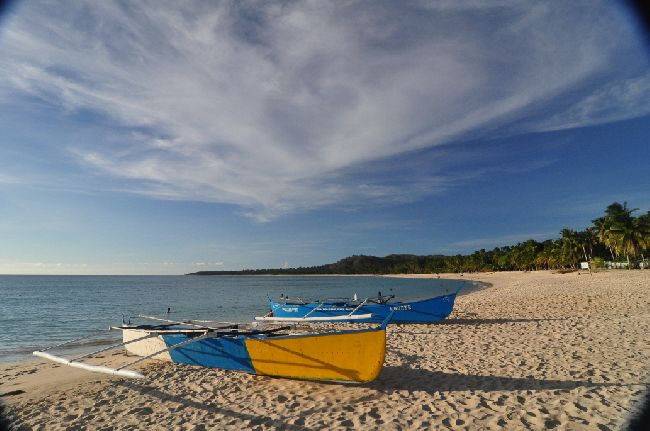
[
  {"x": 613, "y": 102},
  {"x": 277, "y": 107},
  {"x": 8, "y": 179},
  {"x": 56, "y": 265}
]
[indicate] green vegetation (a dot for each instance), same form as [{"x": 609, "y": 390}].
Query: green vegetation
[{"x": 617, "y": 236}]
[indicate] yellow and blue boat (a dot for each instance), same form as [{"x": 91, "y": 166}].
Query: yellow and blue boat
[
  {"x": 350, "y": 355},
  {"x": 355, "y": 355}
]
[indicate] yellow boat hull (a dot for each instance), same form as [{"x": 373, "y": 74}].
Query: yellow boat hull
[
  {"x": 352, "y": 356},
  {"x": 356, "y": 355}
]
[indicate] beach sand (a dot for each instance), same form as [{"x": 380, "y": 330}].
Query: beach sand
[{"x": 536, "y": 350}]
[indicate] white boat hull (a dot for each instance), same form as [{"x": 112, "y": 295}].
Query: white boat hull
[{"x": 145, "y": 347}]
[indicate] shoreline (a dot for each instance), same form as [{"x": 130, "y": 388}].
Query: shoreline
[
  {"x": 537, "y": 350},
  {"x": 24, "y": 353}
]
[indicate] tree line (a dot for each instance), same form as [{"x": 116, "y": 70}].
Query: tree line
[{"x": 617, "y": 236}]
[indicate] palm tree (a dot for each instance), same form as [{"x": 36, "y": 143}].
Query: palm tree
[
  {"x": 555, "y": 254},
  {"x": 629, "y": 234},
  {"x": 544, "y": 257},
  {"x": 602, "y": 226},
  {"x": 571, "y": 246},
  {"x": 531, "y": 248},
  {"x": 615, "y": 215},
  {"x": 644, "y": 226},
  {"x": 589, "y": 238}
]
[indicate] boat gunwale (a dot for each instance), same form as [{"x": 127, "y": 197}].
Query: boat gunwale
[
  {"x": 385, "y": 304},
  {"x": 261, "y": 336}
]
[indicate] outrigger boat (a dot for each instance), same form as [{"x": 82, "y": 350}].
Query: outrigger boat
[
  {"x": 369, "y": 310},
  {"x": 349, "y": 355}
]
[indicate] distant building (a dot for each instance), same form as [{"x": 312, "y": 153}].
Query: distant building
[{"x": 615, "y": 265}]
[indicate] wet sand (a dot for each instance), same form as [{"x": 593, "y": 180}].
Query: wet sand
[{"x": 536, "y": 350}]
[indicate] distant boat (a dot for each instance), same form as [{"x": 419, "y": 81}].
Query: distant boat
[
  {"x": 372, "y": 310},
  {"x": 350, "y": 355}
]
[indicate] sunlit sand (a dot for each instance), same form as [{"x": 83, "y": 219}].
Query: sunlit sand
[{"x": 538, "y": 350}]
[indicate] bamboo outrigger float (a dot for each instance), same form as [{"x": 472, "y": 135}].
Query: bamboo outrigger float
[{"x": 349, "y": 355}]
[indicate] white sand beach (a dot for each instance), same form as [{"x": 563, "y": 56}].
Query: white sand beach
[{"x": 536, "y": 350}]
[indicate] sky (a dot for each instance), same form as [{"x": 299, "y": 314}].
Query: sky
[{"x": 165, "y": 137}]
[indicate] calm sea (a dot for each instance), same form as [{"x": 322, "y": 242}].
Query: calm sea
[{"x": 38, "y": 311}]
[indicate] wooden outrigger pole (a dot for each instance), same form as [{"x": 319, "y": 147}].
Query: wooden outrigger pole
[
  {"x": 188, "y": 323},
  {"x": 96, "y": 368},
  {"x": 208, "y": 331},
  {"x": 121, "y": 371}
]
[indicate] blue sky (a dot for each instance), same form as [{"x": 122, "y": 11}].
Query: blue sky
[{"x": 168, "y": 137}]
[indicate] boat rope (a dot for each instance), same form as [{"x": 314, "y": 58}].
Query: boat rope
[
  {"x": 357, "y": 307},
  {"x": 312, "y": 310}
]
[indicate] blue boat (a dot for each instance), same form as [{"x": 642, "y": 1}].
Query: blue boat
[{"x": 369, "y": 310}]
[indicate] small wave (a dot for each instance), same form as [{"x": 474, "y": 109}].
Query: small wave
[{"x": 92, "y": 342}]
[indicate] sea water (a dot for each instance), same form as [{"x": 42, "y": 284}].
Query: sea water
[{"x": 40, "y": 311}]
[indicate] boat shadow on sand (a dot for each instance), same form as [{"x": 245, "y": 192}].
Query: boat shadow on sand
[
  {"x": 417, "y": 328},
  {"x": 209, "y": 407},
  {"x": 393, "y": 378},
  {"x": 469, "y": 321}
]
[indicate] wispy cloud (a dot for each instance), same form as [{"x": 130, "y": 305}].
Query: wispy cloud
[
  {"x": 68, "y": 268},
  {"x": 615, "y": 101},
  {"x": 8, "y": 179},
  {"x": 275, "y": 107},
  {"x": 592, "y": 204},
  {"x": 44, "y": 264}
]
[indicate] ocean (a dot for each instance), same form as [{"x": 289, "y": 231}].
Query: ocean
[{"x": 40, "y": 311}]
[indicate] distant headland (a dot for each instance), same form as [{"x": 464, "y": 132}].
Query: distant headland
[
  {"x": 618, "y": 239},
  {"x": 361, "y": 264}
]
